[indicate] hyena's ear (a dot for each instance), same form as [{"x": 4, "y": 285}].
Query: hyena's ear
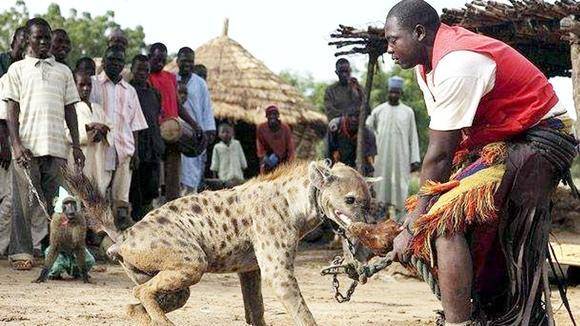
[
  {"x": 372, "y": 180},
  {"x": 319, "y": 174}
]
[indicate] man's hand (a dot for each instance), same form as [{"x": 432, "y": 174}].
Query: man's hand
[
  {"x": 5, "y": 156},
  {"x": 79, "y": 157},
  {"x": 22, "y": 155},
  {"x": 400, "y": 250},
  {"x": 134, "y": 164}
]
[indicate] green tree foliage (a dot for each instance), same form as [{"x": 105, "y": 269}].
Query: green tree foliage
[
  {"x": 87, "y": 33},
  {"x": 311, "y": 89}
]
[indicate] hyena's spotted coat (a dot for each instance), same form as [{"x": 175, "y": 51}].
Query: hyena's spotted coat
[{"x": 252, "y": 230}]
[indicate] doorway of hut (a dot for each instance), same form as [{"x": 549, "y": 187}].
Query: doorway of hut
[{"x": 245, "y": 133}]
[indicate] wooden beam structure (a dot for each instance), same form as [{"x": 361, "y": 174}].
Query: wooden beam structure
[{"x": 530, "y": 26}]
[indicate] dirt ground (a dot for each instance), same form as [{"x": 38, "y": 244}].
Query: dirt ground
[{"x": 391, "y": 298}]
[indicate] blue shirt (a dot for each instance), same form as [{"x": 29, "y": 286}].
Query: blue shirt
[{"x": 198, "y": 105}]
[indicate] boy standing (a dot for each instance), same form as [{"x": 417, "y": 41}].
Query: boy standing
[
  {"x": 41, "y": 94},
  {"x": 94, "y": 133},
  {"x": 145, "y": 181},
  {"x": 228, "y": 159}
]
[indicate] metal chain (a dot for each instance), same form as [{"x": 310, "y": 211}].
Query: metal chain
[
  {"x": 32, "y": 193},
  {"x": 340, "y": 298}
]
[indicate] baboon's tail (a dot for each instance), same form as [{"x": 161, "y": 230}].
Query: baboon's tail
[{"x": 98, "y": 210}]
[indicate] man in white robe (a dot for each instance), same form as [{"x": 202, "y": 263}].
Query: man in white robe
[{"x": 398, "y": 146}]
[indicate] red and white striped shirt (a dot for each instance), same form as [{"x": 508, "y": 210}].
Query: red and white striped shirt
[{"x": 122, "y": 107}]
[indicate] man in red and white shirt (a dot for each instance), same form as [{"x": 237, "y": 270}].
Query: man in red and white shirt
[
  {"x": 485, "y": 99},
  {"x": 121, "y": 105}
]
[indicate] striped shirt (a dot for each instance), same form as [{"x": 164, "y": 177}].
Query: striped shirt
[
  {"x": 42, "y": 87},
  {"x": 122, "y": 107}
]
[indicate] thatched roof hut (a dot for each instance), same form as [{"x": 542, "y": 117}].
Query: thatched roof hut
[{"x": 241, "y": 87}]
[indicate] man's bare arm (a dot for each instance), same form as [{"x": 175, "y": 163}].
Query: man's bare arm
[
  {"x": 13, "y": 123},
  {"x": 437, "y": 163},
  {"x": 5, "y": 155}
]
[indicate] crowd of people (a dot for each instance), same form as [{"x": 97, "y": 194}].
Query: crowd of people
[{"x": 106, "y": 122}]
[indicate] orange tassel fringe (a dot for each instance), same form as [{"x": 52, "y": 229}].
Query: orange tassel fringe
[{"x": 475, "y": 206}]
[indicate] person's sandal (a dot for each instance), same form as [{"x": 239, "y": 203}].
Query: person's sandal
[{"x": 21, "y": 265}]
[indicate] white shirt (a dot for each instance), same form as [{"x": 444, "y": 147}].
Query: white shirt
[
  {"x": 455, "y": 87},
  {"x": 42, "y": 87}
]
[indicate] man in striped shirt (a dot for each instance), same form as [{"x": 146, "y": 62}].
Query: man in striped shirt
[{"x": 41, "y": 94}]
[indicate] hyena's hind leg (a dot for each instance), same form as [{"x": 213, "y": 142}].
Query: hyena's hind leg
[
  {"x": 251, "y": 284},
  {"x": 167, "y": 301}
]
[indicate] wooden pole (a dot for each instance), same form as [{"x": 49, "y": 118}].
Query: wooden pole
[
  {"x": 572, "y": 26},
  {"x": 365, "y": 109}
]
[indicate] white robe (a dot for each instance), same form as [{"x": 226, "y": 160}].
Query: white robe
[
  {"x": 94, "y": 152},
  {"x": 397, "y": 147}
]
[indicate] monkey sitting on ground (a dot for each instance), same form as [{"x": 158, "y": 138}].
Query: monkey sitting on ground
[{"x": 67, "y": 240}]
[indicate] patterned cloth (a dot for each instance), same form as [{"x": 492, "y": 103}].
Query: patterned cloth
[
  {"x": 66, "y": 263},
  {"x": 122, "y": 107},
  {"x": 42, "y": 87}
]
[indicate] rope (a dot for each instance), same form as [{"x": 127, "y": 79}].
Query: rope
[
  {"x": 425, "y": 273},
  {"x": 32, "y": 192}
]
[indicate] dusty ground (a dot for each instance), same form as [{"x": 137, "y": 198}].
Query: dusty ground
[{"x": 390, "y": 299}]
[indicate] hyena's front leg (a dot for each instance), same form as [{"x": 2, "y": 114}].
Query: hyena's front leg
[{"x": 276, "y": 260}]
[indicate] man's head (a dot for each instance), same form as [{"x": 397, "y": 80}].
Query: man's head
[
  {"x": 185, "y": 61},
  {"x": 410, "y": 31},
  {"x": 117, "y": 37},
  {"x": 39, "y": 37},
  {"x": 343, "y": 71},
  {"x": 273, "y": 117},
  {"x": 352, "y": 117},
  {"x": 140, "y": 69},
  {"x": 113, "y": 62},
  {"x": 157, "y": 56},
  {"x": 84, "y": 84},
  {"x": 60, "y": 45},
  {"x": 225, "y": 132},
  {"x": 19, "y": 42},
  {"x": 395, "y": 89},
  {"x": 201, "y": 71},
  {"x": 87, "y": 65}
]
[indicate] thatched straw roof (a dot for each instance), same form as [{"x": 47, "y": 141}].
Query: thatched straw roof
[{"x": 242, "y": 86}]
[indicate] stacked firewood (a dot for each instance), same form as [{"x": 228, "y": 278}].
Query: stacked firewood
[{"x": 358, "y": 41}]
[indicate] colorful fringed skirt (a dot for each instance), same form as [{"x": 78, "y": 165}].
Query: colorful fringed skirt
[{"x": 499, "y": 198}]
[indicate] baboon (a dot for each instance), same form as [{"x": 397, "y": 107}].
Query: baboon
[{"x": 67, "y": 235}]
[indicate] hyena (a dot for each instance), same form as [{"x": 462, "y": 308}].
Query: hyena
[{"x": 252, "y": 229}]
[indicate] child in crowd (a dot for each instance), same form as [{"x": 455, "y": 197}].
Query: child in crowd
[
  {"x": 228, "y": 160},
  {"x": 94, "y": 133}
]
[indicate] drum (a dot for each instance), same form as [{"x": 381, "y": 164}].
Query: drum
[{"x": 190, "y": 142}]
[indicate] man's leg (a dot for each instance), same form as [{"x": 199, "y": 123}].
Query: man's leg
[
  {"x": 120, "y": 193},
  {"x": 22, "y": 210},
  {"x": 51, "y": 180},
  {"x": 172, "y": 172},
  {"x": 455, "y": 273},
  {"x": 5, "y": 208}
]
